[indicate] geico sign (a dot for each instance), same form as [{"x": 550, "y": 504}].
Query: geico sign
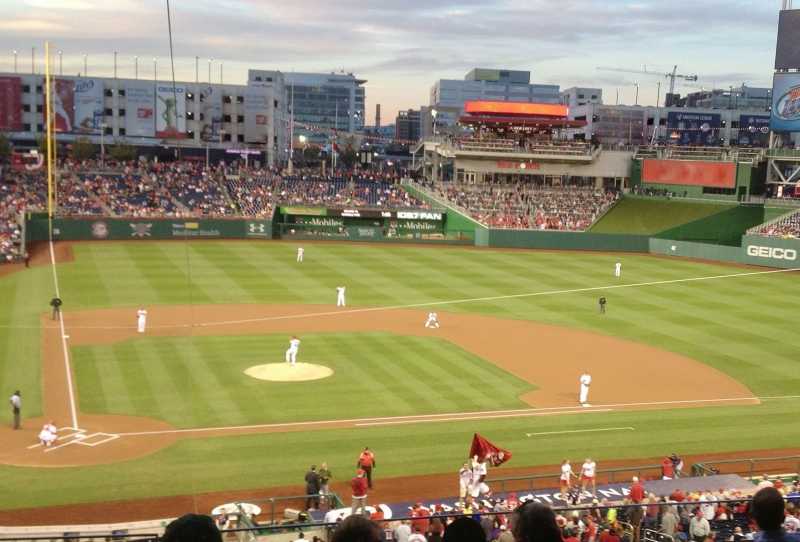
[{"x": 772, "y": 252}]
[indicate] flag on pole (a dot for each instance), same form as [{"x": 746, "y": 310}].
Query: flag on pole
[{"x": 485, "y": 450}]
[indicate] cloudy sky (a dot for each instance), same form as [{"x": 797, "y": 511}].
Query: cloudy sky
[{"x": 403, "y": 46}]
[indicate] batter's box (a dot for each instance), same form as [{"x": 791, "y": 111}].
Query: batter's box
[{"x": 96, "y": 439}]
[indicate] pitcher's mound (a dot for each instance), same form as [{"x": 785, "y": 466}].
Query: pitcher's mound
[{"x": 283, "y": 372}]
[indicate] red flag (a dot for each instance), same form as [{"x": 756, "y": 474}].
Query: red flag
[{"x": 488, "y": 451}]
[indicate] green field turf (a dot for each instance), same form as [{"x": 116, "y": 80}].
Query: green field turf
[
  {"x": 200, "y": 381},
  {"x": 651, "y": 216},
  {"x": 745, "y": 326}
]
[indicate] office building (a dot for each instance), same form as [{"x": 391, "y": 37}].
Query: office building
[
  {"x": 575, "y": 96},
  {"x": 408, "y": 125},
  {"x": 447, "y": 96}
]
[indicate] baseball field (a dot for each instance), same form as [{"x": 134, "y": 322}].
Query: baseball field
[{"x": 690, "y": 357}]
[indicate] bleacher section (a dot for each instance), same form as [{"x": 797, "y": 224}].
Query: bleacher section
[{"x": 786, "y": 226}]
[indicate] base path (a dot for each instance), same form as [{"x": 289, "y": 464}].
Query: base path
[{"x": 549, "y": 357}]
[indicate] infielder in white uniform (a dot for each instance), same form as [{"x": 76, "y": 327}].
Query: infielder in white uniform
[
  {"x": 141, "y": 319},
  {"x": 586, "y": 381},
  {"x": 618, "y": 269},
  {"x": 433, "y": 320},
  {"x": 300, "y": 252},
  {"x": 291, "y": 353},
  {"x": 340, "y": 296}
]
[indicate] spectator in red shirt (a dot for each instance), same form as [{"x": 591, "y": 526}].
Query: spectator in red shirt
[
  {"x": 609, "y": 535},
  {"x": 359, "y": 486},
  {"x": 677, "y": 496},
  {"x": 636, "y": 491},
  {"x": 420, "y": 515},
  {"x": 366, "y": 462},
  {"x": 635, "y": 513}
]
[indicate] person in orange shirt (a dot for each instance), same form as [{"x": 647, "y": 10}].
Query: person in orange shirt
[{"x": 366, "y": 462}]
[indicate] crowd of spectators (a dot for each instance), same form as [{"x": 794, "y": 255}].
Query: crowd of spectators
[
  {"x": 525, "y": 206},
  {"x": 788, "y": 226},
  {"x": 696, "y": 517}
]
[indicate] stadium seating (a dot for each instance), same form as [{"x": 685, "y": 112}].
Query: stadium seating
[
  {"x": 788, "y": 226},
  {"x": 529, "y": 207}
]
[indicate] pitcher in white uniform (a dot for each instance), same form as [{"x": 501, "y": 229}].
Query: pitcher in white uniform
[
  {"x": 300, "y": 252},
  {"x": 618, "y": 269},
  {"x": 586, "y": 381},
  {"x": 141, "y": 320},
  {"x": 340, "y": 296},
  {"x": 291, "y": 353}
]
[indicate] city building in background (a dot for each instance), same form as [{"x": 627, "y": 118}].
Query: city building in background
[
  {"x": 575, "y": 96},
  {"x": 447, "y": 96},
  {"x": 189, "y": 117},
  {"x": 742, "y": 97},
  {"x": 624, "y": 125},
  {"x": 408, "y": 126},
  {"x": 323, "y": 102}
]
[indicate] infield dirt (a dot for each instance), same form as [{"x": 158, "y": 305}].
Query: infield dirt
[{"x": 549, "y": 357}]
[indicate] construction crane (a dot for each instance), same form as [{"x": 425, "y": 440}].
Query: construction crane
[{"x": 669, "y": 75}]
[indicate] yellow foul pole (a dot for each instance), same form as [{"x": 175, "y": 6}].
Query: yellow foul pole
[{"x": 49, "y": 132}]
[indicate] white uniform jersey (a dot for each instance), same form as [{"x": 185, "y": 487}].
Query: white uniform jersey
[
  {"x": 294, "y": 344},
  {"x": 586, "y": 379},
  {"x": 588, "y": 468},
  {"x": 617, "y": 269},
  {"x": 300, "y": 252},
  {"x": 566, "y": 472},
  {"x": 340, "y": 296},
  {"x": 141, "y": 322}
]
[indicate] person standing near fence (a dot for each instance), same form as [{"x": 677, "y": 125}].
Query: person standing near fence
[
  {"x": 312, "y": 488},
  {"x": 359, "y": 487}
]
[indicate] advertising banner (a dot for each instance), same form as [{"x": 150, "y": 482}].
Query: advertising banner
[
  {"x": 754, "y": 130},
  {"x": 256, "y": 113},
  {"x": 10, "y": 103},
  {"x": 211, "y": 109},
  {"x": 690, "y": 173},
  {"x": 693, "y": 128},
  {"x": 170, "y": 111},
  {"x": 63, "y": 105},
  {"x": 89, "y": 109},
  {"x": 786, "y": 102},
  {"x": 140, "y": 117}
]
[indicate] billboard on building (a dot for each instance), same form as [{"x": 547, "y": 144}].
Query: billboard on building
[
  {"x": 211, "y": 109},
  {"x": 785, "y": 102},
  {"x": 140, "y": 114},
  {"x": 10, "y": 103},
  {"x": 170, "y": 111},
  {"x": 693, "y": 128},
  {"x": 689, "y": 173},
  {"x": 787, "y": 51},
  {"x": 63, "y": 105},
  {"x": 88, "y": 99},
  {"x": 754, "y": 130},
  {"x": 256, "y": 113}
]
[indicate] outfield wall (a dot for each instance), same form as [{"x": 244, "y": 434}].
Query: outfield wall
[
  {"x": 755, "y": 250},
  {"x": 561, "y": 240},
  {"x": 95, "y": 228}
]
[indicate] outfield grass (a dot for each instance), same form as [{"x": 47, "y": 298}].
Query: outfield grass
[
  {"x": 744, "y": 326},
  {"x": 651, "y": 216},
  {"x": 200, "y": 381}
]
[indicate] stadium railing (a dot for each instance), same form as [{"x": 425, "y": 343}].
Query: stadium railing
[
  {"x": 528, "y": 482},
  {"x": 749, "y": 467}
]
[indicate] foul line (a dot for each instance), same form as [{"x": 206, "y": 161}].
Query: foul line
[
  {"x": 580, "y": 431},
  {"x": 446, "y": 302},
  {"x": 485, "y": 417},
  {"x": 73, "y": 410},
  {"x": 450, "y": 416}
]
